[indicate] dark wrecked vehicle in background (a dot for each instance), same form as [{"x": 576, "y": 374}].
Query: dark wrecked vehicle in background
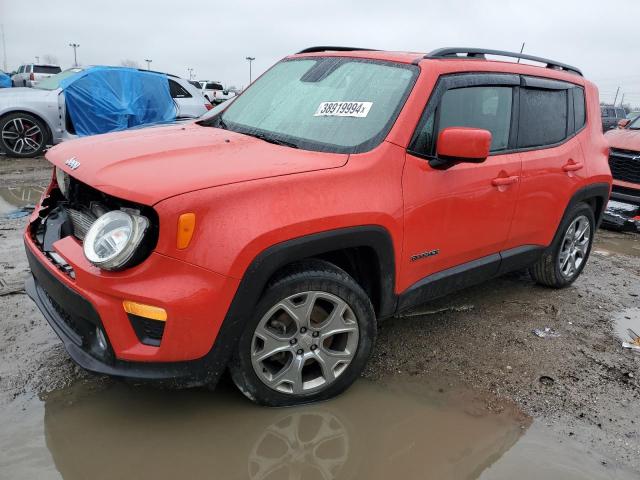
[
  {"x": 89, "y": 101},
  {"x": 623, "y": 211}
]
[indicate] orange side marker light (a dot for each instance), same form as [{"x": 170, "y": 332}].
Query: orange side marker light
[{"x": 186, "y": 227}]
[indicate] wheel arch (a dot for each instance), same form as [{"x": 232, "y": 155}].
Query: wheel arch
[
  {"x": 267, "y": 264},
  {"x": 595, "y": 195},
  {"x": 364, "y": 252}
]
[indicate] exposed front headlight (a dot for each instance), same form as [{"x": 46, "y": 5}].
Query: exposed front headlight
[
  {"x": 113, "y": 239},
  {"x": 63, "y": 179}
]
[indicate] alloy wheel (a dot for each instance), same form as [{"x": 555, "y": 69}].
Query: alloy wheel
[
  {"x": 304, "y": 342},
  {"x": 22, "y": 136},
  {"x": 574, "y": 247}
]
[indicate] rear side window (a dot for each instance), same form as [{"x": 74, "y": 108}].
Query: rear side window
[
  {"x": 579, "y": 107},
  {"x": 488, "y": 108},
  {"x": 178, "y": 91},
  {"x": 543, "y": 117},
  {"x": 46, "y": 69}
]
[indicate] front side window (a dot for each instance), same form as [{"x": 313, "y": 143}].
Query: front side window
[
  {"x": 488, "y": 108},
  {"x": 543, "y": 117},
  {"x": 324, "y": 104}
]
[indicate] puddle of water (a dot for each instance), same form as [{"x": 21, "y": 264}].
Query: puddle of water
[
  {"x": 13, "y": 198},
  {"x": 372, "y": 431},
  {"x": 401, "y": 430},
  {"x": 624, "y": 244},
  {"x": 627, "y": 325}
]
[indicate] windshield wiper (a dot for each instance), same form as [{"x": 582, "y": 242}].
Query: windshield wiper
[
  {"x": 269, "y": 139},
  {"x": 222, "y": 124}
]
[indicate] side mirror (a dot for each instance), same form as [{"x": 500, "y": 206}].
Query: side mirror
[
  {"x": 623, "y": 123},
  {"x": 461, "y": 144}
]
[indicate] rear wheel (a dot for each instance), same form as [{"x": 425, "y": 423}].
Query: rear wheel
[
  {"x": 568, "y": 254},
  {"x": 22, "y": 135},
  {"x": 310, "y": 338}
]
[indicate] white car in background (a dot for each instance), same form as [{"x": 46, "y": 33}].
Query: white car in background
[
  {"x": 214, "y": 91},
  {"x": 32, "y": 118},
  {"x": 29, "y": 75}
]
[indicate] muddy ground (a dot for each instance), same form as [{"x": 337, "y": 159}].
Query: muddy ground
[{"x": 580, "y": 385}]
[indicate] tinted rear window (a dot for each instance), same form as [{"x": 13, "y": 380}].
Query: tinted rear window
[
  {"x": 214, "y": 86},
  {"x": 46, "y": 69},
  {"x": 543, "y": 117},
  {"x": 178, "y": 91},
  {"x": 579, "y": 107}
]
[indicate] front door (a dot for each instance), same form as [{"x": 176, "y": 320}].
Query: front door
[{"x": 463, "y": 213}]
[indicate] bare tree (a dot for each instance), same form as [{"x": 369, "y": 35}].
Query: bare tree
[
  {"x": 129, "y": 63},
  {"x": 50, "y": 59}
]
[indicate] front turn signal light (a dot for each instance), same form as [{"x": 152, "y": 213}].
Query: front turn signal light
[
  {"x": 186, "y": 226},
  {"x": 145, "y": 311}
]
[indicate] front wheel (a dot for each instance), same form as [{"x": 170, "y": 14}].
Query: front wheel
[
  {"x": 568, "y": 254},
  {"x": 310, "y": 337}
]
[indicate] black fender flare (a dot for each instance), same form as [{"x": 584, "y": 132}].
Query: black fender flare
[{"x": 596, "y": 191}]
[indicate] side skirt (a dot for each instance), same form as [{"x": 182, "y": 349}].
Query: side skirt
[{"x": 462, "y": 276}]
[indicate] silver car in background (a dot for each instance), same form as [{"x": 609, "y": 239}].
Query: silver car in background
[
  {"x": 29, "y": 75},
  {"x": 32, "y": 118}
]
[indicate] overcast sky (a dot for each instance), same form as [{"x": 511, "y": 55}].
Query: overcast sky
[{"x": 214, "y": 38}]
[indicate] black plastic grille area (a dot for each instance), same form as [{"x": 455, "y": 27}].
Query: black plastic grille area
[
  {"x": 148, "y": 331},
  {"x": 625, "y": 165}
]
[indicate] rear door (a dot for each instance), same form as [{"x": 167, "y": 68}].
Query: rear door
[
  {"x": 551, "y": 114},
  {"x": 461, "y": 214}
]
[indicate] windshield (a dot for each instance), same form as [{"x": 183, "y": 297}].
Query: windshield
[
  {"x": 635, "y": 125},
  {"x": 53, "y": 83},
  {"x": 325, "y": 104}
]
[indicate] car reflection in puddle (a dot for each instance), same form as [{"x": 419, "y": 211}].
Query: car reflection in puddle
[
  {"x": 16, "y": 198},
  {"x": 372, "y": 431}
]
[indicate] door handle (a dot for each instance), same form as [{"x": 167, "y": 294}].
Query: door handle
[
  {"x": 504, "y": 181},
  {"x": 572, "y": 166}
]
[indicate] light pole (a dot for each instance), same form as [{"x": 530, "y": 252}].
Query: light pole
[
  {"x": 75, "y": 55},
  {"x": 148, "y": 60},
  {"x": 4, "y": 49},
  {"x": 37, "y": 59},
  {"x": 190, "y": 70},
  {"x": 250, "y": 59}
]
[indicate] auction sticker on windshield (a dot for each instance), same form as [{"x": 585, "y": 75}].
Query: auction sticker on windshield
[{"x": 343, "y": 109}]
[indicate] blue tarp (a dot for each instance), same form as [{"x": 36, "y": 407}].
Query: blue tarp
[
  {"x": 5, "y": 80},
  {"x": 107, "y": 99}
]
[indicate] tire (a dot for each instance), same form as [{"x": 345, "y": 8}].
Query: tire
[
  {"x": 321, "y": 299},
  {"x": 16, "y": 139},
  {"x": 554, "y": 268}
]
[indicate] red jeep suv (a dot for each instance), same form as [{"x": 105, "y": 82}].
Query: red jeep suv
[{"x": 344, "y": 186}]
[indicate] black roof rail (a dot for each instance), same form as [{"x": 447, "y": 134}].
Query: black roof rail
[
  {"x": 479, "y": 53},
  {"x": 335, "y": 49}
]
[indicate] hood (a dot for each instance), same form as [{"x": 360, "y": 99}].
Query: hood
[
  {"x": 18, "y": 94},
  {"x": 151, "y": 164},
  {"x": 624, "y": 139}
]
